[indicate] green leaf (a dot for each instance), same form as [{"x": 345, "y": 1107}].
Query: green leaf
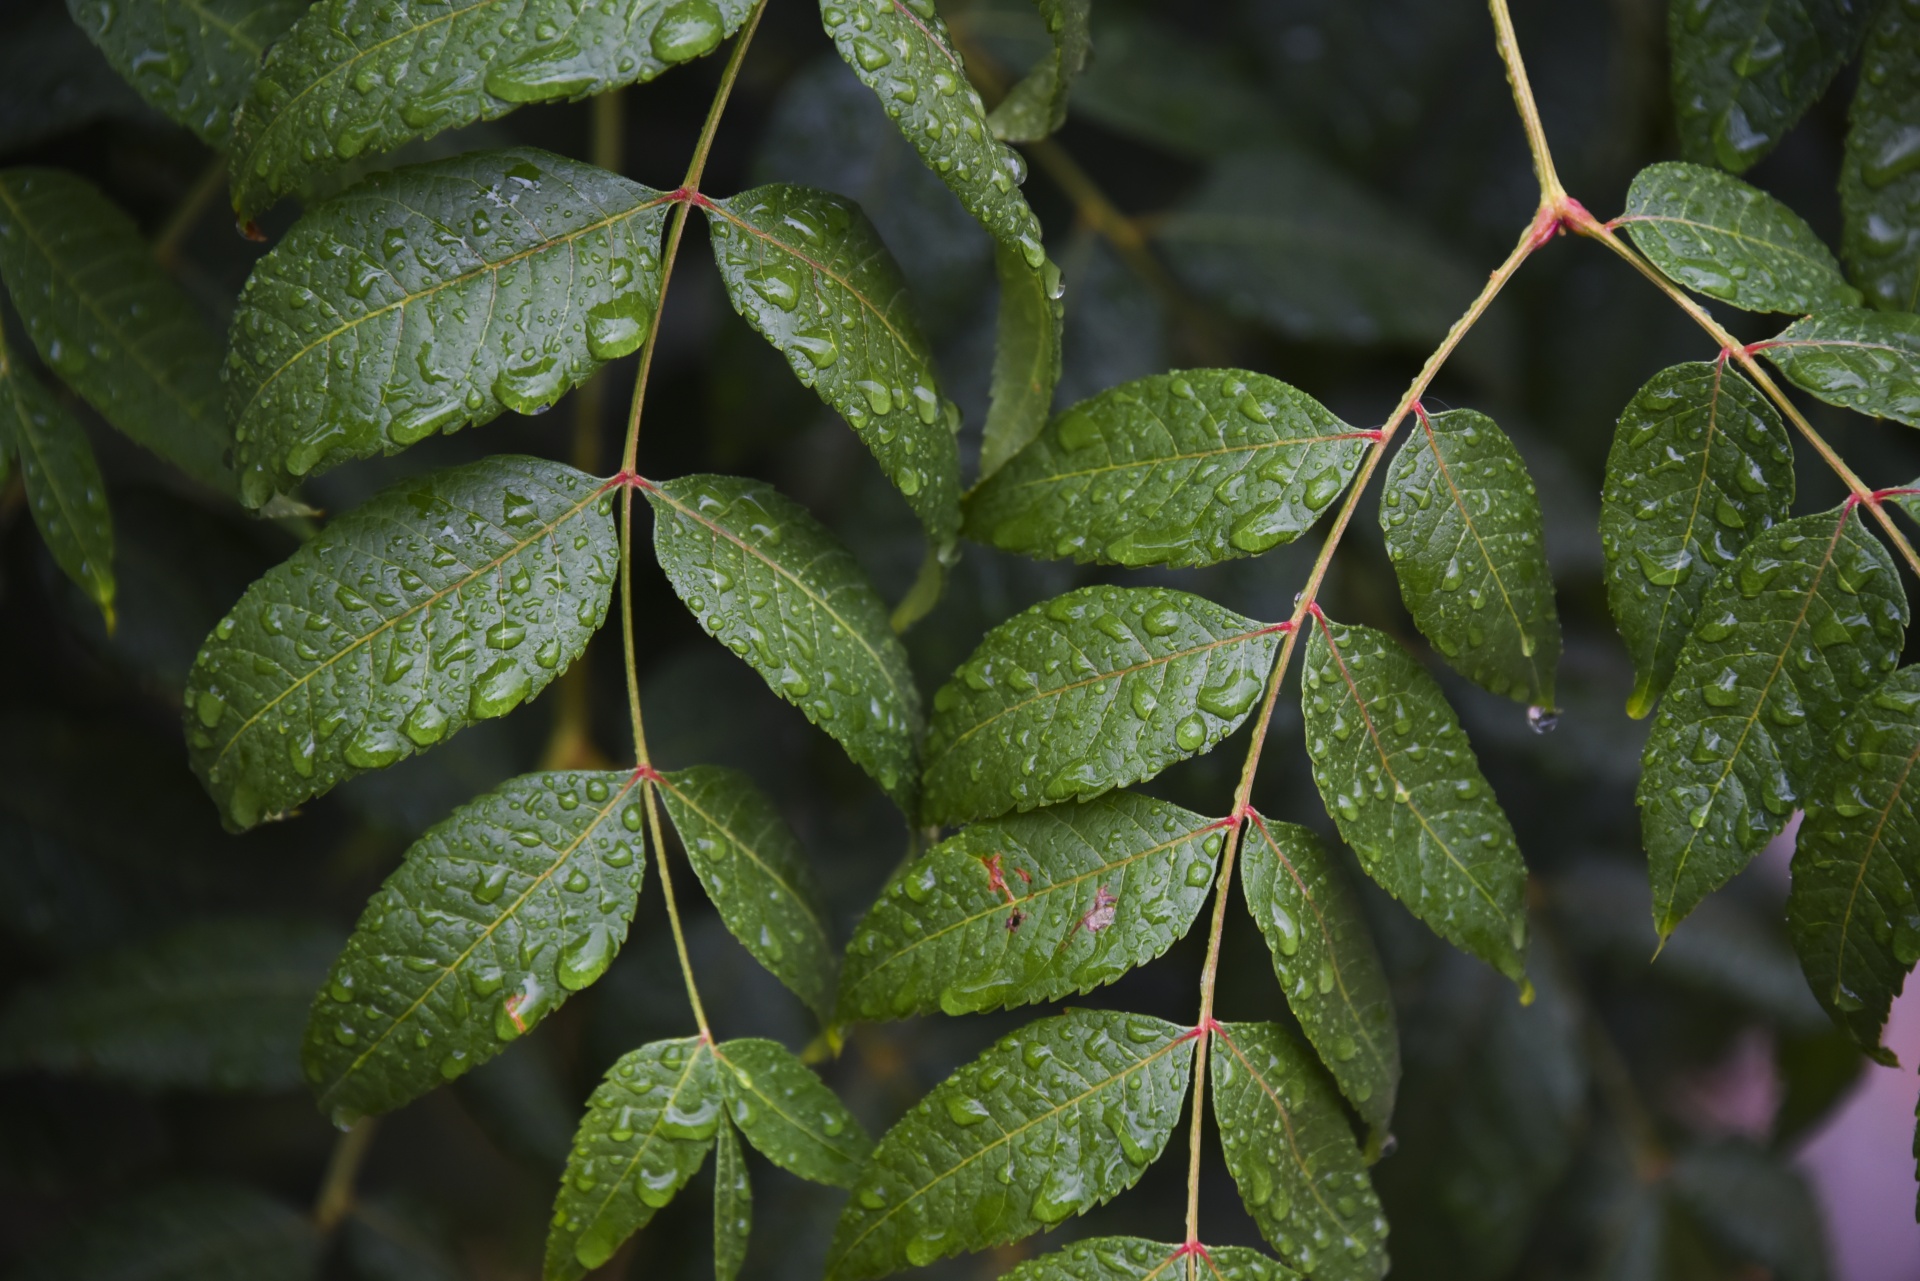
[
  {"x": 1856, "y": 862},
  {"x": 181, "y": 1232},
  {"x": 732, "y": 1205},
  {"x": 447, "y": 599},
  {"x": 1293, "y": 1156},
  {"x": 1037, "y": 104},
  {"x": 1324, "y": 957},
  {"x": 1700, "y": 466},
  {"x": 497, "y": 913},
  {"x": 1176, "y": 469},
  {"x": 1755, "y": 1205},
  {"x": 1096, "y": 689},
  {"x": 789, "y": 1115},
  {"x": 356, "y": 76},
  {"x": 1716, "y": 235},
  {"x": 810, "y": 273},
  {"x": 435, "y": 296},
  {"x": 1032, "y": 907},
  {"x": 1745, "y": 70},
  {"x": 757, "y": 876},
  {"x": 1800, "y": 627},
  {"x": 1463, "y": 527},
  {"x": 110, "y": 323},
  {"x": 1879, "y": 183},
  {"x": 193, "y": 59},
  {"x": 1135, "y": 1259},
  {"x": 1862, "y": 360},
  {"x": 211, "y": 1006},
  {"x": 1052, "y": 1120},
  {"x": 1026, "y": 357},
  {"x": 648, "y": 1126},
  {"x": 1401, "y": 781},
  {"x": 774, "y": 586},
  {"x": 65, "y": 493}
]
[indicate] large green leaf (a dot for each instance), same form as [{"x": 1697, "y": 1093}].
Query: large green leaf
[
  {"x": 789, "y": 1115},
  {"x": 435, "y": 296},
  {"x": 1800, "y": 627},
  {"x": 1037, "y": 104},
  {"x": 1324, "y": 957},
  {"x": 1745, "y": 70},
  {"x": 1700, "y": 466},
  {"x": 774, "y": 586},
  {"x": 181, "y": 1232},
  {"x": 1174, "y": 469},
  {"x": 647, "y": 1129},
  {"x": 1293, "y": 1156},
  {"x": 1719, "y": 236},
  {"x": 1879, "y": 177},
  {"x": 732, "y": 1205},
  {"x": 1863, "y": 360},
  {"x": 810, "y": 273},
  {"x": 1032, "y": 907},
  {"x": 515, "y": 900},
  {"x": 1856, "y": 863},
  {"x": 110, "y": 323},
  {"x": 1093, "y": 690},
  {"x": 65, "y": 493},
  {"x": 757, "y": 875},
  {"x": 1049, "y": 1122},
  {"x": 1463, "y": 527},
  {"x": 211, "y": 1006},
  {"x": 1402, "y": 783},
  {"x": 445, "y": 600},
  {"x": 1026, "y": 357},
  {"x": 356, "y": 76},
  {"x": 1136, "y": 1259}
]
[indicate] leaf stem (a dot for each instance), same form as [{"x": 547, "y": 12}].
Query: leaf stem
[
  {"x": 1551, "y": 192},
  {"x": 673, "y": 907},
  {"x": 335, "y": 1201}
]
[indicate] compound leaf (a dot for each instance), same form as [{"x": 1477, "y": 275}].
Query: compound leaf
[
  {"x": 1292, "y": 1154},
  {"x": 1700, "y": 466},
  {"x": 1135, "y": 1259},
  {"x": 1401, "y": 781},
  {"x": 1080, "y": 1105},
  {"x": 1867, "y": 361},
  {"x": 1027, "y": 357},
  {"x": 1800, "y": 627},
  {"x": 182, "y": 1232},
  {"x": 1879, "y": 182},
  {"x": 1175, "y": 469},
  {"x": 61, "y": 477},
  {"x": 1324, "y": 957},
  {"x": 774, "y": 586},
  {"x": 789, "y": 1115},
  {"x": 446, "y": 599},
  {"x": 1093, "y": 690},
  {"x": 432, "y": 297},
  {"x": 1037, "y": 103},
  {"x": 1716, "y": 235},
  {"x": 497, "y": 913},
  {"x": 1032, "y": 907},
  {"x": 1463, "y": 527},
  {"x": 732, "y": 1205}
]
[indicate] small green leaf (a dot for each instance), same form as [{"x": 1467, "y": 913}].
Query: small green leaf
[
  {"x": 1054, "y": 1119},
  {"x": 1879, "y": 183},
  {"x": 181, "y": 1232},
  {"x": 774, "y": 586},
  {"x": 110, "y": 323},
  {"x": 433, "y": 297},
  {"x": 65, "y": 493},
  {"x": 732, "y": 1205},
  {"x": 789, "y": 1115},
  {"x": 1293, "y": 1156},
  {"x": 1716, "y": 235},
  {"x": 1037, "y": 104},
  {"x": 757, "y": 876},
  {"x": 1856, "y": 862},
  {"x": 1402, "y": 783},
  {"x": 356, "y": 76},
  {"x": 1700, "y": 466},
  {"x": 1862, "y": 360},
  {"x": 1096, "y": 689},
  {"x": 517, "y": 899},
  {"x": 1026, "y": 357},
  {"x": 647, "y": 1129},
  {"x": 1463, "y": 526},
  {"x": 1324, "y": 957},
  {"x": 1135, "y": 1259},
  {"x": 1799, "y": 628},
  {"x": 444, "y": 600},
  {"x": 1032, "y": 907},
  {"x": 1176, "y": 469}
]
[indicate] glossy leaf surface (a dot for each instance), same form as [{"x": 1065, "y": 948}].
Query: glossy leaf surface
[
  {"x": 61, "y": 477},
  {"x": 732, "y": 1205},
  {"x": 181, "y": 1232},
  {"x": 1026, "y": 357},
  {"x": 1879, "y": 179},
  {"x": 1862, "y": 360},
  {"x": 789, "y": 1115},
  {"x": 1037, "y": 103},
  {"x": 1135, "y": 1259}
]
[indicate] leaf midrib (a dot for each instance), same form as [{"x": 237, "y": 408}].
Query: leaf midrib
[
  {"x": 1286, "y": 1122},
  {"x": 1790, "y": 251},
  {"x": 701, "y": 1047},
  {"x": 1693, "y": 513},
  {"x": 745, "y": 1081},
  {"x": 1860, "y": 872},
  {"x": 753, "y": 855},
  {"x": 1190, "y": 456}
]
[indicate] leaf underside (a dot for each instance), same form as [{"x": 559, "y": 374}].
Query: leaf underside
[
  {"x": 1879, "y": 183},
  {"x": 789, "y": 1115},
  {"x": 61, "y": 478},
  {"x": 1136, "y": 1259},
  {"x": 1868, "y": 361},
  {"x": 1027, "y": 357},
  {"x": 1037, "y": 104}
]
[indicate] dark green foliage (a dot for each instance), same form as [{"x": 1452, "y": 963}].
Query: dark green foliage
[
  {"x": 61, "y": 479},
  {"x": 1754, "y": 1206},
  {"x": 732, "y": 1205},
  {"x": 183, "y": 1232},
  {"x": 1861, "y": 360},
  {"x": 1133, "y": 1259},
  {"x": 1879, "y": 181},
  {"x": 1037, "y": 105},
  {"x": 789, "y": 1115},
  {"x": 1026, "y": 356}
]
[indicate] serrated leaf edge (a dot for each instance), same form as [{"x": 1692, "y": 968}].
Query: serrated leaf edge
[{"x": 734, "y": 1078}]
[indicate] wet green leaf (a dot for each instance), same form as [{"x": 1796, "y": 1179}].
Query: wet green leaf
[
  {"x": 1052, "y": 1120},
  {"x": 1026, "y": 357},
  {"x": 1867, "y": 361},
  {"x": 732, "y": 1205},
  {"x": 1037, "y": 103},
  {"x": 64, "y": 490},
  {"x": 1463, "y": 526},
  {"x": 1032, "y": 907},
  {"x": 1700, "y": 466},
  {"x": 773, "y": 585},
  {"x": 433, "y": 297},
  {"x": 181, "y": 1232},
  {"x": 1879, "y": 179},
  {"x": 1401, "y": 781},
  {"x": 1135, "y": 1259},
  {"x": 1795, "y": 632},
  {"x": 789, "y": 1115},
  {"x": 1175, "y": 469},
  {"x": 499, "y": 912},
  {"x": 1093, "y": 690},
  {"x": 445, "y": 600}
]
